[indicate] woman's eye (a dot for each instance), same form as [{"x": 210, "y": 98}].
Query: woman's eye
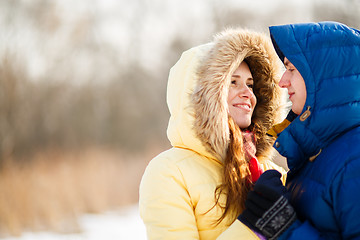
[
  {"x": 233, "y": 82},
  {"x": 250, "y": 86}
]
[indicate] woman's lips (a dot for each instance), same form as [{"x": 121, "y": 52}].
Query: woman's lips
[{"x": 243, "y": 106}]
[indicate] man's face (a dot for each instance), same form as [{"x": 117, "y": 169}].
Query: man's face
[{"x": 295, "y": 84}]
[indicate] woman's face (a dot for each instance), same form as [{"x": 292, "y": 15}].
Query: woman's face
[{"x": 241, "y": 98}]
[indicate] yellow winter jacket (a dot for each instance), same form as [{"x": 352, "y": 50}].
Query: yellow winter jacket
[{"x": 177, "y": 191}]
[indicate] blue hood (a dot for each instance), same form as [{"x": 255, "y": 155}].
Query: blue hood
[{"x": 327, "y": 54}]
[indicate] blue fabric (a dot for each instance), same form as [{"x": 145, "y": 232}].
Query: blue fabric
[{"x": 325, "y": 192}]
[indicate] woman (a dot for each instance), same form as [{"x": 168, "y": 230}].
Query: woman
[{"x": 223, "y": 97}]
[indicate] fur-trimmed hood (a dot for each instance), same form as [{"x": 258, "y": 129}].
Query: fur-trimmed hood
[{"x": 198, "y": 88}]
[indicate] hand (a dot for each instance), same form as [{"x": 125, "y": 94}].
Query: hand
[
  {"x": 267, "y": 209},
  {"x": 270, "y": 182}
]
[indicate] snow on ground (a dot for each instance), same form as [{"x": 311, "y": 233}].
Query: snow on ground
[{"x": 121, "y": 225}]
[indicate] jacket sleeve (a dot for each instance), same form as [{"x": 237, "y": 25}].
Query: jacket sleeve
[
  {"x": 238, "y": 230},
  {"x": 301, "y": 230},
  {"x": 345, "y": 199},
  {"x": 164, "y": 204},
  {"x": 166, "y": 207}
]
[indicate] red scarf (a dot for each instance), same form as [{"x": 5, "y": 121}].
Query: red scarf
[{"x": 250, "y": 150}]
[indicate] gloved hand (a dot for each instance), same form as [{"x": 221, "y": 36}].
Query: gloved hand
[{"x": 267, "y": 207}]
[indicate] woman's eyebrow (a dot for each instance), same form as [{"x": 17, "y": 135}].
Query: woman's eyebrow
[{"x": 239, "y": 76}]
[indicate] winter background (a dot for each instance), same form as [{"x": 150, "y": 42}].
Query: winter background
[{"x": 82, "y": 102}]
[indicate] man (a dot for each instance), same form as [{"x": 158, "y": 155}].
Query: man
[{"x": 321, "y": 139}]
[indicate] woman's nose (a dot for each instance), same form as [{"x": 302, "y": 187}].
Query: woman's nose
[{"x": 245, "y": 92}]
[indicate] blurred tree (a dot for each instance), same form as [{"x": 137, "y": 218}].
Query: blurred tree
[
  {"x": 344, "y": 11},
  {"x": 66, "y": 86}
]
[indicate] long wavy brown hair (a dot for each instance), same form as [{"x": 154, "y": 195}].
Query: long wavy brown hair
[
  {"x": 218, "y": 132},
  {"x": 236, "y": 178}
]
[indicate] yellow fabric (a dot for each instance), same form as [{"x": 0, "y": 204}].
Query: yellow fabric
[
  {"x": 236, "y": 231},
  {"x": 181, "y": 83},
  {"x": 177, "y": 192},
  {"x": 278, "y": 128},
  {"x": 177, "y": 189}
]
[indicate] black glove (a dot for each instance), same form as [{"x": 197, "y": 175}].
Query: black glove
[{"x": 267, "y": 209}]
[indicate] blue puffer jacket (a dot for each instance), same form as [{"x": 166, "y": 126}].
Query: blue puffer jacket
[{"x": 322, "y": 144}]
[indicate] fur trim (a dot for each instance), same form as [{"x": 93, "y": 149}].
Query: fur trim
[{"x": 209, "y": 99}]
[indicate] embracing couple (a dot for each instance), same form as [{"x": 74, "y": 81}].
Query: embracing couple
[{"x": 228, "y": 118}]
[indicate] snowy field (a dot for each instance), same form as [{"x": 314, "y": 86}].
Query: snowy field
[{"x": 121, "y": 225}]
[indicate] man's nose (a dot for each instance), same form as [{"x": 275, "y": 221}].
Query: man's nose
[{"x": 284, "y": 82}]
